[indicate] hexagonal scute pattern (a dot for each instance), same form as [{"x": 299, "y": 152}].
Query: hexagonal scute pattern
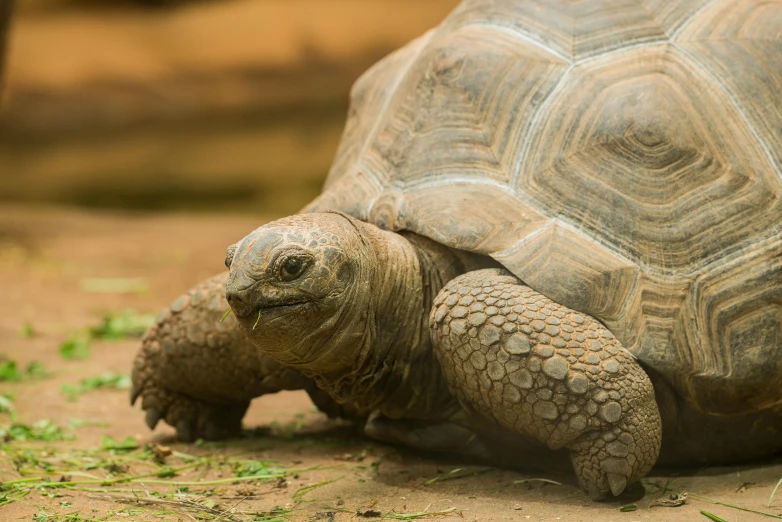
[
  {"x": 647, "y": 156},
  {"x": 462, "y": 109},
  {"x": 573, "y": 270},
  {"x": 546, "y": 24},
  {"x": 673, "y": 16},
  {"x": 368, "y": 97},
  {"x": 486, "y": 219},
  {"x": 571, "y": 29},
  {"x": 614, "y": 154},
  {"x": 734, "y": 342},
  {"x": 737, "y": 43}
]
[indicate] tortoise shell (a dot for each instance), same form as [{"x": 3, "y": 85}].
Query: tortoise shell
[{"x": 622, "y": 157}]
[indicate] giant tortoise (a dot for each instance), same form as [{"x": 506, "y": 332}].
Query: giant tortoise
[{"x": 549, "y": 224}]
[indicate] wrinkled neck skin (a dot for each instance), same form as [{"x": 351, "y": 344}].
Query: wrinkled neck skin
[
  {"x": 400, "y": 374},
  {"x": 376, "y": 351}
]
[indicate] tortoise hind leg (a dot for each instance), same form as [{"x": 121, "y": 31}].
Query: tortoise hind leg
[
  {"x": 548, "y": 372},
  {"x": 199, "y": 373}
]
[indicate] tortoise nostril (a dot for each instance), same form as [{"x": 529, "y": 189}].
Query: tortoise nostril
[
  {"x": 242, "y": 294},
  {"x": 240, "y": 303},
  {"x": 233, "y": 298}
]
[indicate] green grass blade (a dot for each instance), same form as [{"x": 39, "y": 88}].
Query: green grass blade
[
  {"x": 413, "y": 516},
  {"x": 774, "y": 492},
  {"x": 299, "y": 494},
  {"x": 456, "y": 474},
  {"x": 712, "y": 516},
  {"x": 740, "y": 508}
]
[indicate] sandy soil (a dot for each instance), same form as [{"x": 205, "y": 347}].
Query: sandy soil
[{"x": 45, "y": 254}]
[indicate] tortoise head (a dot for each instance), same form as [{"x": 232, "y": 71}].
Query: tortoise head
[{"x": 296, "y": 286}]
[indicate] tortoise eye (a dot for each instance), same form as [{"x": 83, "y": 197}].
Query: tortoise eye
[
  {"x": 292, "y": 268},
  {"x": 229, "y": 255}
]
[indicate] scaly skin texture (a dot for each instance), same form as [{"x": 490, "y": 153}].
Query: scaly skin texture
[
  {"x": 546, "y": 371},
  {"x": 199, "y": 373},
  {"x": 362, "y": 315},
  {"x": 355, "y": 318},
  {"x": 348, "y": 305}
]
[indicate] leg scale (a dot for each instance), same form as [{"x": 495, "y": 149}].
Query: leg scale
[{"x": 549, "y": 372}]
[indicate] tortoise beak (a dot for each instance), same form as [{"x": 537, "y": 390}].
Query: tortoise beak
[{"x": 241, "y": 294}]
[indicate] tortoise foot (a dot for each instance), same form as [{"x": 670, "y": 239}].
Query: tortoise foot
[
  {"x": 198, "y": 372},
  {"x": 550, "y": 373},
  {"x": 192, "y": 418}
]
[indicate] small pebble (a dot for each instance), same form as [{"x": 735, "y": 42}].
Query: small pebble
[{"x": 517, "y": 507}]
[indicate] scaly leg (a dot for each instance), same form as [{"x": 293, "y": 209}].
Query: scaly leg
[{"x": 549, "y": 372}]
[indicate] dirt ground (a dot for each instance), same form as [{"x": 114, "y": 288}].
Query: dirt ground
[{"x": 46, "y": 258}]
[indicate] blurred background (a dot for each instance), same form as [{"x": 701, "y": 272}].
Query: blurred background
[{"x": 225, "y": 105}]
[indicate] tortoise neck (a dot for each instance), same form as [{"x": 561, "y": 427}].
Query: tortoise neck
[{"x": 396, "y": 371}]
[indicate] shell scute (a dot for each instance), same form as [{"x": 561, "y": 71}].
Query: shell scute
[
  {"x": 621, "y": 157},
  {"x": 462, "y": 109}
]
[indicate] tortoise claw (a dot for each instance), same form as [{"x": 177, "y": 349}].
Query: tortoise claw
[
  {"x": 153, "y": 417},
  {"x": 135, "y": 392},
  {"x": 617, "y": 483}
]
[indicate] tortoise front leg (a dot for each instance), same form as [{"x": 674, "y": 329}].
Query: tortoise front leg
[
  {"x": 548, "y": 372},
  {"x": 197, "y": 371}
]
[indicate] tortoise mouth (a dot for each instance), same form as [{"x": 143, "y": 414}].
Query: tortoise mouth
[
  {"x": 262, "y": 307},
  {"x": 283, "y": 305}
]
